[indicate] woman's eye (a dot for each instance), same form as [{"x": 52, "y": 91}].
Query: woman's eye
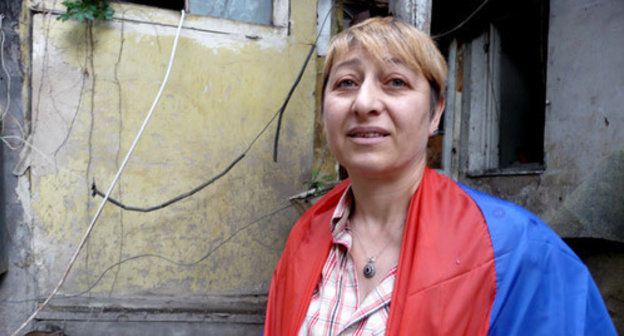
[
  {"x": 346, "y": 83},
  {"x": 397, "y": 82}
]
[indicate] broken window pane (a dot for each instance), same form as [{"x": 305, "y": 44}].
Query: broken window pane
[{"x": 254, "y": 11}]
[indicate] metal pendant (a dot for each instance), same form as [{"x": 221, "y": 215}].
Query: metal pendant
[{"x": 369, "y": 270}]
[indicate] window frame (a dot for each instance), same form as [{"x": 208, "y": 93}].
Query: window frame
[
  {"x": 472, "y": 119},
  {"x": 279, "y": 15},
  {"x": 146, "y": 14}
]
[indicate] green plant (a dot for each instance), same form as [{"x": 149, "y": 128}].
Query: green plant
[
  {"x": 87, "y": 10},
  {"x": 318, "y": 183}
]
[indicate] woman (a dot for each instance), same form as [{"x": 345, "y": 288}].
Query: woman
[{"x": 400, "y": 250}]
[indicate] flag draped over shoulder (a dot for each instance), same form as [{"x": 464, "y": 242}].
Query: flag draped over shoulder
[{"x": 470, "y": 264}]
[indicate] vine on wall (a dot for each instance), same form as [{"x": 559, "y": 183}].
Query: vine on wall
[{"x": 87, "y": 11}]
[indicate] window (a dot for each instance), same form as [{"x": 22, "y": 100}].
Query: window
[
  {"x": 346, "y": 13},
  {"x": 168, "y": 4},
  {"x": 264, "y": 12},
  {"x": 497, "y": 86},
  {"x": 254, "y": 11}
]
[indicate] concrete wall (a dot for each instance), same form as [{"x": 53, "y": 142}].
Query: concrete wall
[
  {"x": 18, "y": 283},
  {"x": 89, "y": 97},
  {"x": 585, "y": 95},
  {"x": 81, "y": 105},
  {"x": 583, "y": 141}
]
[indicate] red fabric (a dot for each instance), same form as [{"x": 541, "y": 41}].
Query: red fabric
[{"x": 446, "y": 280}]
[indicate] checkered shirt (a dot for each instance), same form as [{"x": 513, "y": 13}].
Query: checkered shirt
[{"x": 335, "y": 308}]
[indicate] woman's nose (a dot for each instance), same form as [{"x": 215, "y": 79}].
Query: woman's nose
[{"x": 368, "y": 100}]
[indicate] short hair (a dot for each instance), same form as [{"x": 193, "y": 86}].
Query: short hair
[{"x": 381, "y": 35}]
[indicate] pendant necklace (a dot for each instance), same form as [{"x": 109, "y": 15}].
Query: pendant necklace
[{"x": 369, "y": 269}]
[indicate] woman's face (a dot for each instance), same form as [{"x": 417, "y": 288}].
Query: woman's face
[{"x": 377, "y": 116}]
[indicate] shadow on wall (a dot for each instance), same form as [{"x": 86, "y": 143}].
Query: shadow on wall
[
  {"x": 594, "y": 212},
  {"x": 605, "y": 260},
  {"x": 596, "y": 207}
]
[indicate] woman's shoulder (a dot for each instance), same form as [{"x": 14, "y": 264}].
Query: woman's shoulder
[
  {"x": 541, "y": 283},
  {"x": 512, "y": 227}
]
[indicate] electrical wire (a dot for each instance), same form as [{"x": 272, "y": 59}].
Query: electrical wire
[
  {"x": 461, "y": 24},
  {"x": 290, "y": 93},
  {"x": 96, "y": 191},
  {"x": 179, "y": 263},
  {"x": 7, "y": 74},
  {"x": 7, "y": 107},
  {"x": 164, "y": 258},
  {"x": 112, "y": 186},
  {"x": 294, "y": 86},
  {"x": 182, "y": 196},
  {"x": 28, "y": 144},
  {"x": 280, "y": 112},
  {"x": 173, "y": 200}
]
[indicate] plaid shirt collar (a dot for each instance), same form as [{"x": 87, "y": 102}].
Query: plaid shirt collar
[
  {"x": 339, "y": 224},
  {"x": 335, "y": 308}
]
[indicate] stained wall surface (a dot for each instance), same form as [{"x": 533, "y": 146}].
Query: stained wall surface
[
  {"x": 579, "y": 192},
  {"x": 208, "y": 258},
  {"x": 583, "y": 111}
]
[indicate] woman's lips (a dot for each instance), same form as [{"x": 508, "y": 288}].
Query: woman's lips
[{"x": 366, "y": 135}]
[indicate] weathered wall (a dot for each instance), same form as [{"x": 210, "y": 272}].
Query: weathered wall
[
  {"x": 584, "y": 119},
  {"x": 585, "y": 95},
  {"x": 18, "y": 283},
  {"x": 585, "y": 89},
  {"x": 89, "y": 98}
]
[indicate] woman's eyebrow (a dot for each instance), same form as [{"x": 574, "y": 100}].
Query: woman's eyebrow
[
  {"x": 394, "y": 60},
  {"x": 348, "y": 63}
]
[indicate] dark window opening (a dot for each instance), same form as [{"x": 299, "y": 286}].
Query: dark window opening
[
  {"x": 356, "y": 11},
  {"x": 522, "y": 84},
  {"x": 515, "y": 35},
  {"x": 166, "y": 4}
]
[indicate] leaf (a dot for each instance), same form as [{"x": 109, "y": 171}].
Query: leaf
[
  {"x": 315, "y": 174},
  {"x": 87, "y": 10}
]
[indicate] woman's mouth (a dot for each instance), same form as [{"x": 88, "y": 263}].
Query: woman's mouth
[
  {"x": 366, "y": 135},
  {"x": 367, "y": 132}
]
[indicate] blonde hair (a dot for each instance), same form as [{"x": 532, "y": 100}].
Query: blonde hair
[{"x": 379, "y": 36}]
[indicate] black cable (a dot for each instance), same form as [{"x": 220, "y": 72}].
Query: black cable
[
  {"x": 280, "y": 112},
  {"x": 294, "y": 86},
  {"x": 461, "y": 24},
  {"x": 96, "y": 191},
  {"x": 290, "y": 93}
]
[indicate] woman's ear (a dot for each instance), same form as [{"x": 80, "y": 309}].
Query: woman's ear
[{"x": 437, "y": 115}]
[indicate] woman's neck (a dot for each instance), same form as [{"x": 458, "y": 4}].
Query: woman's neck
[{"x": 382, "y": 204}]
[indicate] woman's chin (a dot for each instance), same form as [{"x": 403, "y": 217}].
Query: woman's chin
[
  {"x": 371, "y": 169},
  {"x": 376, "y": 168}
]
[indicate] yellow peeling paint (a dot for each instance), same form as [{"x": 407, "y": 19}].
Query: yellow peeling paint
[{"x": 219, "y": 96}]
